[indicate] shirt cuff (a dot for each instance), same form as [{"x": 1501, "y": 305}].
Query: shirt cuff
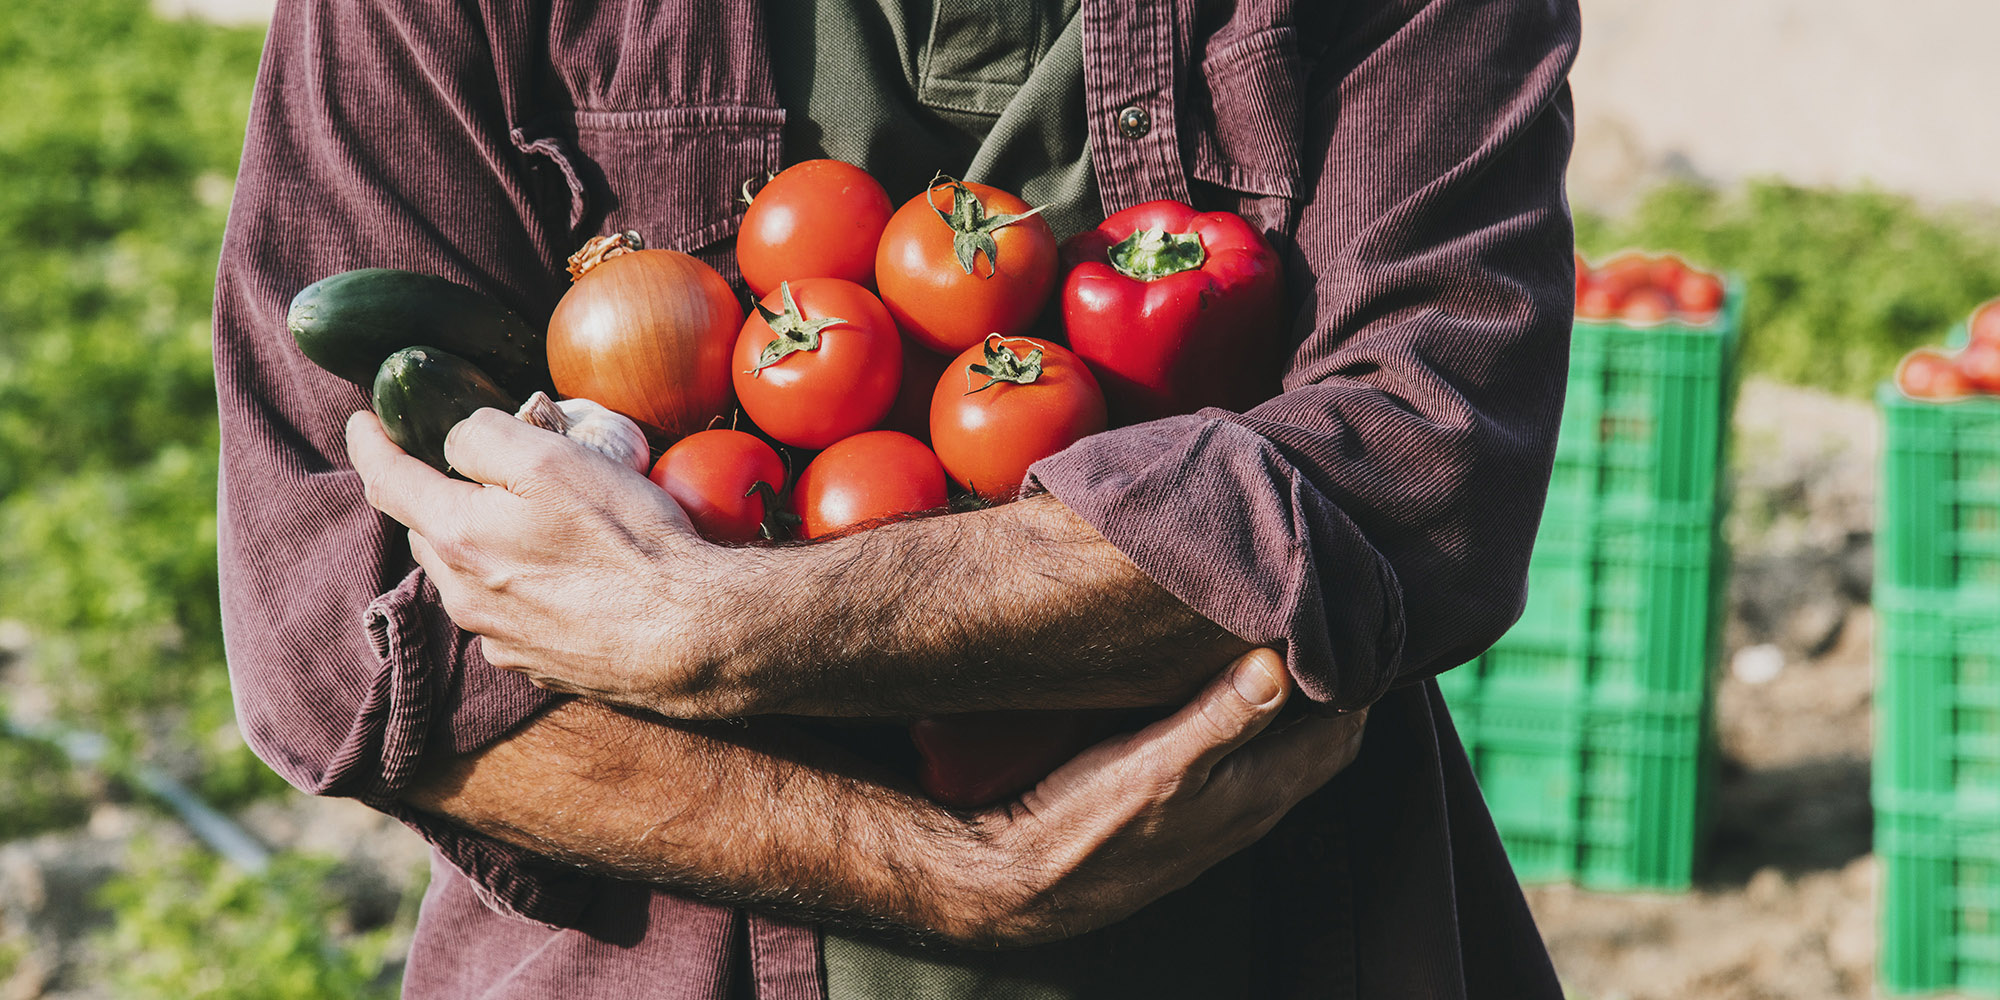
[
  {"x": 436, "y": 694},
  {"x": 1215, "y": 514}
]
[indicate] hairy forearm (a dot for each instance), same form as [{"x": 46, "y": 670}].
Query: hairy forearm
[
  {"x": 1019, "y": 606},
  {"x": 725, "y": 812}
]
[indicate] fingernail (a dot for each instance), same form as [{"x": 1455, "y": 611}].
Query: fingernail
[{"x": 1256, "y": 682}]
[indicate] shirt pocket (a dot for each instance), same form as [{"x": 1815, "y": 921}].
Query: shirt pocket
[
  {"x": 674, "y": 175},
  {"x": 1245, "y": 154}
]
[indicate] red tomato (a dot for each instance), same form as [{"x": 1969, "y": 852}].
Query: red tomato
[
  {"x": 1647, "y": 305},
  {"x": 1665, "y": 272},
  {"x": 1927, "y": 373},
  {"x": 818, "y": 361},
  {"x": 1623, "y": 275},
  {"x": 1980, "y": 364},
  {"x": 979, "y": 758},
  {"x": 866, "y": 478},
  {"x": 1582, "y": 275},
  {"x": 1031, "y": 400},
  {"x": 951, "y": 280},
  {"x": 714, "y": 476},
  {"x": 1596, "y": 302},
  {"x": 817, "y": 219},
  {"x": 1985, "y": 324},
  {"x": 1698, "y": 294}
]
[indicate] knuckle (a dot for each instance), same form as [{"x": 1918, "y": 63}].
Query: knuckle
[{"x": 544, "y": 463}]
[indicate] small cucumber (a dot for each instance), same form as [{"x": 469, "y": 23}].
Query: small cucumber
[
  {"x": 421, "y": 393},
  {"x": 348, "y": 322}
]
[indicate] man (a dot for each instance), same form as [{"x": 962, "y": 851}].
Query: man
[{"x": 1372, "y": 522}]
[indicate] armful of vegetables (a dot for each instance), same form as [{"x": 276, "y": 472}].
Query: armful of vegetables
[{"x": 1167, "y": 310}]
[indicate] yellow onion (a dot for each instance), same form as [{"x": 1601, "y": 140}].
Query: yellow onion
[{"x": 646, "y": 333}]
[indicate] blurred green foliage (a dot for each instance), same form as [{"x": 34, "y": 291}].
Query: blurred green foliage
[
  {"x": 1840, "y": 283},
  {"x": 189, "y": 927},
  {"x": 40, "y": 790},
  {"x": 119, "y": 144}
]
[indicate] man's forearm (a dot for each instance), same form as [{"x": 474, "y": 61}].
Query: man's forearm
[
  {"x": 757, "y": 814},
  {"x": 590, "y": 580},
  {"x": 1020, "y": 606},
  {"x": 762, "y": 815}
]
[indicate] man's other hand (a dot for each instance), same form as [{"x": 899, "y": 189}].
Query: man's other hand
[{"x": 1139, "y": 816}]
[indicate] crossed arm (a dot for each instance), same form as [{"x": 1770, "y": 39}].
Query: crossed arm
[{"x": 761, "y": 813}]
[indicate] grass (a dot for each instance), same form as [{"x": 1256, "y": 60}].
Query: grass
[{"x": 1840, "y": 283}]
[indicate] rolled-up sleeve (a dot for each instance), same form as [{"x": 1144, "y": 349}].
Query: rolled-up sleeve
[
  {"x": 1374, "y": 520},
  {"x": 373, "y": 141}
]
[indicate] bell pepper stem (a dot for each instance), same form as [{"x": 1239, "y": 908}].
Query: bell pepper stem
[{"x": 1151, "y": 254}]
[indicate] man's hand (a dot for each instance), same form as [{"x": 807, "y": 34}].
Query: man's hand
[
  {"x": 559, "y": 559},
  {"x": 1137, "y": 817},
  {"x": 732, "y": 814},
  {"x": 590, "y": 580}
]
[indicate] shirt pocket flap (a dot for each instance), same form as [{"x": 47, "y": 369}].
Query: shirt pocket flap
[
  {"x": 1247, "y": 100},
  {"x": 673, "y": 174}
]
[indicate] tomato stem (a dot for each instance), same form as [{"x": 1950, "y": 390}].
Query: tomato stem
[
  {"x": 779, "y": 524},
  {"x": 794, "y": 331},
  {"x": 1151, "y": 254},
  {"x": 971, "y": 228},
  {"x": 1003, "y": 365}
]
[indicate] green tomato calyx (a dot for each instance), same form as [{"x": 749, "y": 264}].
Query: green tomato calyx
[
  {"x": 1003, "y": 365},
  {"x": 1151, "y": 254},
  {"x": 971, "y": 228},
  {"x": 794, "y": 331},
  {"x": 779, "y": 524}
]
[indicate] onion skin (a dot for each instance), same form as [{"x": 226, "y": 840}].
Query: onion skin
[{"x": 648, "y": 334}]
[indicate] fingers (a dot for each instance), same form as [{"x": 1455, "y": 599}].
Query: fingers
[
  {"x": 1234, "y": 707},
  {"x": 396, "y": 484},
  {"x": 1285, "y": 767},
  {"x": 499, "y": 449}
]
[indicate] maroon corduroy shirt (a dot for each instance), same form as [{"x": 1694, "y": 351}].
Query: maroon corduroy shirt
[{"x": 1373, "y": 521}]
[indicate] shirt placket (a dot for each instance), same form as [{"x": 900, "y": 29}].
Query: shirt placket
[{"x": 1130, "y": 50}]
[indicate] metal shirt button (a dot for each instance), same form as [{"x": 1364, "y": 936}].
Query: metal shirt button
[{"x": 1134, "y": 122}]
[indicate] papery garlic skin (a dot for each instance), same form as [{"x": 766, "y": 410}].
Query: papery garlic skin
[{"x": 599, "y": 428}]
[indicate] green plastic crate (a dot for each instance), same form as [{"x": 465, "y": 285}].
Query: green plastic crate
[
  {"x": 1940, "y": 504},
  {"x": 1622, "y": 607},
  {"x": 1940, "y": 902},
  {"x": 1646, "y": 413},
  {"x": 1937, "y": 701},
  {"x": 1586, "y": 723},
  {"x": 1609, "y": 798}
]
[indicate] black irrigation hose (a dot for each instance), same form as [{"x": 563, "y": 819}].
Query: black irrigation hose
[{"x": 222, "y": 834}]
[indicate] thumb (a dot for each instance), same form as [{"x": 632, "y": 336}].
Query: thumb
[
  {"x": 498, "y": 449},
  {"x": 1234, "y": 707}
]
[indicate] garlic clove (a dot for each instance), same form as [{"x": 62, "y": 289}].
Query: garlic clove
[{"x": 597, "y": 427}]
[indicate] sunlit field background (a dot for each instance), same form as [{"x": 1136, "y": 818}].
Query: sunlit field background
[{"x": 119, "y": 139}]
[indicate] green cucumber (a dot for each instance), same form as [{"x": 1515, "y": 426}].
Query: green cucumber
[
  {"x": 421, "y": 393},
  {"x": 348, "y": 322}
]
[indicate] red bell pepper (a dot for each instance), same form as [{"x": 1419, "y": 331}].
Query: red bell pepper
[{"x": 1175, "y": 310}]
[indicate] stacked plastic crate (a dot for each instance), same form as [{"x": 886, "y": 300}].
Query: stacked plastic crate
[
  {"x": 1588, "y": 723},
  {"x": 1937, "y": 694}
]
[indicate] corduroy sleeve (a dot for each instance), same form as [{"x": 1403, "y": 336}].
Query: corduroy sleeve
[
  {"x": 1374, "y": 520},
  {"x": 377, "y": 137}
]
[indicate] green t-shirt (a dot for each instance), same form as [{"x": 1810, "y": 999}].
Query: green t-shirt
[
  {"x": 983, "y": 90},
  {"x": 993, "y": 92}
]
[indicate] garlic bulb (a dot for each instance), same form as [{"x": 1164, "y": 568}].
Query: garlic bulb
[{"x": 602, "y": 430}]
